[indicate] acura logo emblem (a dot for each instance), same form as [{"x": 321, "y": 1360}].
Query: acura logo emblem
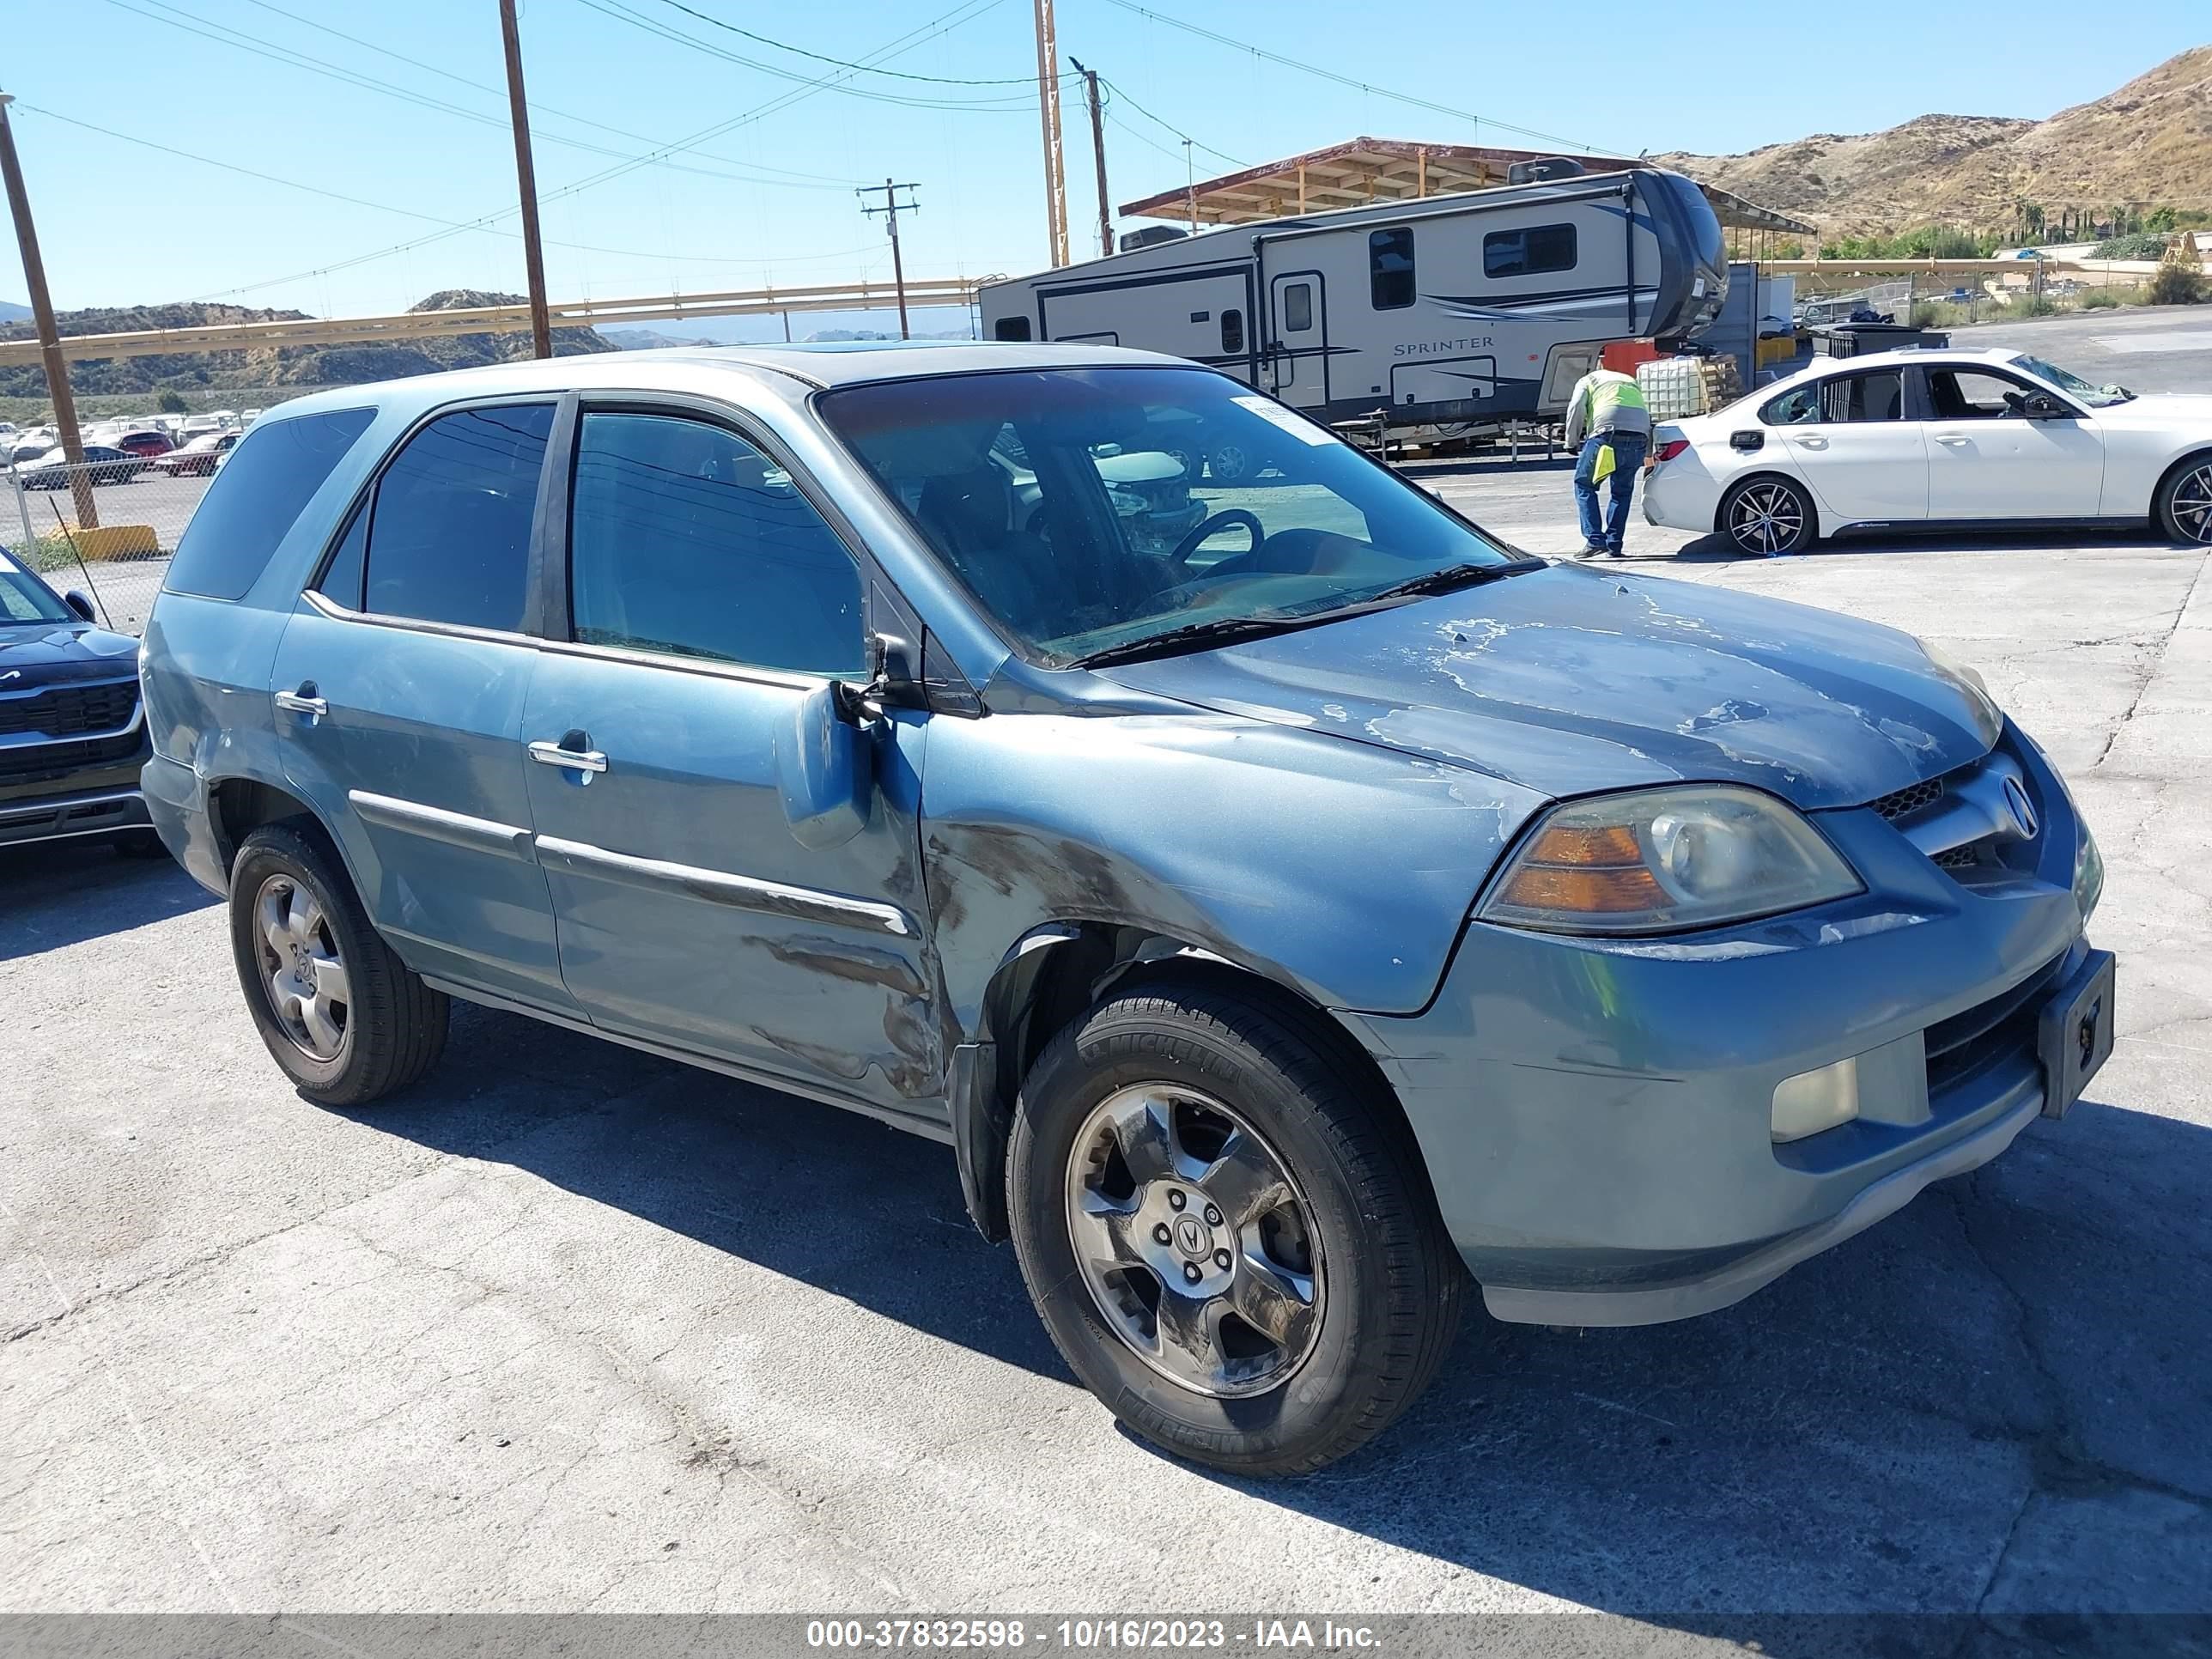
[{"x": 2022, "y": 808}]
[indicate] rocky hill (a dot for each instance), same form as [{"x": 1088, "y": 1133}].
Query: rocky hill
[
  {"x": 294, "y": 367},
  {"x": 2148, "y": 144}
]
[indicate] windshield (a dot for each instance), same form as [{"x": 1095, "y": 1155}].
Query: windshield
[
  {"x": 25, "y": 599},
  {"x": 1089, "y": 510},
  {"x": 2097, "y": 397}
]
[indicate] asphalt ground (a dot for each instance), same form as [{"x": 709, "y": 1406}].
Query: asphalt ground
[{"x": 567, "y": 1328}]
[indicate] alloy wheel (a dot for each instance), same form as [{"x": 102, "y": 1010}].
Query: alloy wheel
[
  {"x": 1195, "y": 1242},
  {"x": 1766, "y": 519},
  {"x": 2192, "y": 504},
  {"x": 302, "y": 967}
]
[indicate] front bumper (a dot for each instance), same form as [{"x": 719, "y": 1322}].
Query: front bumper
[
  {"x": 96, "y": 812},
  {"x": 1595, "y": 1115}
]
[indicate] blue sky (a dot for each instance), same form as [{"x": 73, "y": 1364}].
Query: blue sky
[{"x": 771, "y": 198}]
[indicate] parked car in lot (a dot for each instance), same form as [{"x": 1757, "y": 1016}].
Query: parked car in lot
[
  {"x": 104, "y": 465},
  {"x": 146, "y": 443},
  {"x": 1909, "y": 439},
  {"x": 1291, "y": 932},
  {"x": 72, "y": 734},
  {"x": 197, "y": 457}
]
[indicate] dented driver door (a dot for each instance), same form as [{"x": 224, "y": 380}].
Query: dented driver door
[{"x": 705, "y": 599}]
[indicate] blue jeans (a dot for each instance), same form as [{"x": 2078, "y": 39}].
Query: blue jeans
[{"x": 1627, "y": 458}]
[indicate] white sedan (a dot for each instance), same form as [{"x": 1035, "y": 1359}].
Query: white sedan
[{"x": 1923, "y": 438}]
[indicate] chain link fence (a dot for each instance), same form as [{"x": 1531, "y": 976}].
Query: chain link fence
[{"x": 106, "y": 528}]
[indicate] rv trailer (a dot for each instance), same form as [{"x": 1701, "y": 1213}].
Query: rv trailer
[{"x": 1473, "y": 309}]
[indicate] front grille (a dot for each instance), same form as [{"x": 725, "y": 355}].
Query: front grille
[
  {"x": 1961, "y": 858},
  {"x": 2005, "y": 1025},
  {"x": 57, "y": 760},
  {"x": 1911, "y": 799},
  {"x": 67, "y": 711}
]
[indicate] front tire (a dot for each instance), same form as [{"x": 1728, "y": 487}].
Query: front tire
[
  {"x": 1768, "y": 516},
  {"x": 346, "y": 1019},
  {"x": 2183, "y": 509},
  {"x": 1231, "y": 1241}
]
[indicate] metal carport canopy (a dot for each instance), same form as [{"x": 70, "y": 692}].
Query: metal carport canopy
[{"x": 1362, "y": 171}]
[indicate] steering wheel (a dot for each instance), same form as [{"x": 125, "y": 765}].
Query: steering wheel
[{"x": 1234, "y": 515}]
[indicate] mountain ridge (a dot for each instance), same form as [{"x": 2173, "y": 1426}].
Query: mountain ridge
[{"x": 2147, "y": 144}]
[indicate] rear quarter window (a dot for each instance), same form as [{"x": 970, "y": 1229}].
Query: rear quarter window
[{"x": 254, "y": 500}]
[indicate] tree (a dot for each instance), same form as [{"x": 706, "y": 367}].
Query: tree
[
  {"x": 2179, "y": 279},
  {"x": 171, "y": 403},
  {"x": 2161, "y": 220}
]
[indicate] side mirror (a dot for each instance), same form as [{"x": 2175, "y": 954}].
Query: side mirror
[
  {"x": 80, "y": 604},
  {"x": 2041, "y": 406},
  {"x": 824, "y": 769}
]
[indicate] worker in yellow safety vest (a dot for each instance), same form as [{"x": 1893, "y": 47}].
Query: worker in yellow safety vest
[{"x": 1609, "y": 424}]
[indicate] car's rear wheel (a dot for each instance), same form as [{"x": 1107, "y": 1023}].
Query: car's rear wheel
[
  {"x": 1766, "y": 516},
  {"x": 347, "y": 1020},
  {"x": 1232, "y": 461},
  {"x": 1233, "y": 1245},
  {"x": 2183, "y": 508}
]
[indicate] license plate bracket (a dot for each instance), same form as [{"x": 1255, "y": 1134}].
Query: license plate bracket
[{"x": 2075, "y": 1032}]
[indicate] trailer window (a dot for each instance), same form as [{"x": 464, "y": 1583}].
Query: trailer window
[
  {"x": 1232, "y": 331},
  {"x": 1011, "y": 328},
  {"x": 1390, "y": 269},
  {"x": 1529, "y": 251},
  {"x": 1297, "y": 307}
]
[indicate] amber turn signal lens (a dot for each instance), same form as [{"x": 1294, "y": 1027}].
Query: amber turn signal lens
[
  {"x": 1610, "y": 844},
  {"x": 1584, "y": 891}
]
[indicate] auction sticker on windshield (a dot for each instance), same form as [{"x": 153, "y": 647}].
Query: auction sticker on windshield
[{"x": 1298, "y": 426}]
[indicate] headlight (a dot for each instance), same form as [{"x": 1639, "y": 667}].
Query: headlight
[
  {"x": 2089, "y": 872},
  {"x": 1657, "y": 860}
]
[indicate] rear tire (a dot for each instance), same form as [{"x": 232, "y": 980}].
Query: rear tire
[
  {"x": 1768, "y": 516},
  {"x": 1326, "y": 1233},
  {"x": 2182, "y": 511},
  {"x": 346, "y": 1019}
]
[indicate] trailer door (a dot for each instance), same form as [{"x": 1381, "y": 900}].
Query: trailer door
[{"x": 1297, "y": 351}]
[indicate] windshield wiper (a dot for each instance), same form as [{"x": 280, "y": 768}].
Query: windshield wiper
[
  {"x": 1221, "y": 630},
  {"x": 1453, "y": 577}
]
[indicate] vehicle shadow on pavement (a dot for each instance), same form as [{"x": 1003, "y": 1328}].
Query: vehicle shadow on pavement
[
  {"x": 1987, "y": 1400},
  {"x": 1718, "y": 550},
  {"x": 61, "y": 893},
  {"x": 742, "y": 1169}
]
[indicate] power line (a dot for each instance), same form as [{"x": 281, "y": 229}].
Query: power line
[
  {"x": 1344, "y": 80},
  {"x": 540, "y": 108},
  {"x": 966, "y": 12},
  {"x": 1122, "y": 93},
  {"x": 451, "y": 225},
  {"x": 291, "y": 58},
  {"x": 621, "y": 13},
  {"x": 901, "y": 75}
]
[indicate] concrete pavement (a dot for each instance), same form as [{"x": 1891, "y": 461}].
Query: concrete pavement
[{"x": 569, "y": 1327}]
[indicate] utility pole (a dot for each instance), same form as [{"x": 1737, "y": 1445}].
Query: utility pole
[
  {"x": 533, "y": 256},
  {"x": 1098, "y": 152},
  {"x": 1056, "y": 171},
  {"x": 42, "y": 313},
  {"x": 889, "y": 210}
]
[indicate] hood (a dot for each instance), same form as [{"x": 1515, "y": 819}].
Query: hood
[
  {"x": 2190, "y": 411},
  {"x": 46, "y": 652},
  {"x": 1568, "y": 681}
]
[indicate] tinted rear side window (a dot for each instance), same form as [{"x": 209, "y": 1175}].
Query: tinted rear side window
[
  {"x": 1390, "y": 269},
  {"x": 1528, "y": 253},
  {"x": 449, "y": 529},
  {"x": 255, "y": 498}
]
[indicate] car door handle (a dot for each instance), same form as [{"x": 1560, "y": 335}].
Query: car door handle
[
  {"x": 1814, "y": 443},
  {"x": 1952, "y": 439},
  {"x": 587, "y": 761},
  {"x": 303, "y": 702}
]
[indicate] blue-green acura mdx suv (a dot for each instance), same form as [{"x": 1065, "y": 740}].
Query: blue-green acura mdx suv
[{"x": 1293, "y": 920}]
